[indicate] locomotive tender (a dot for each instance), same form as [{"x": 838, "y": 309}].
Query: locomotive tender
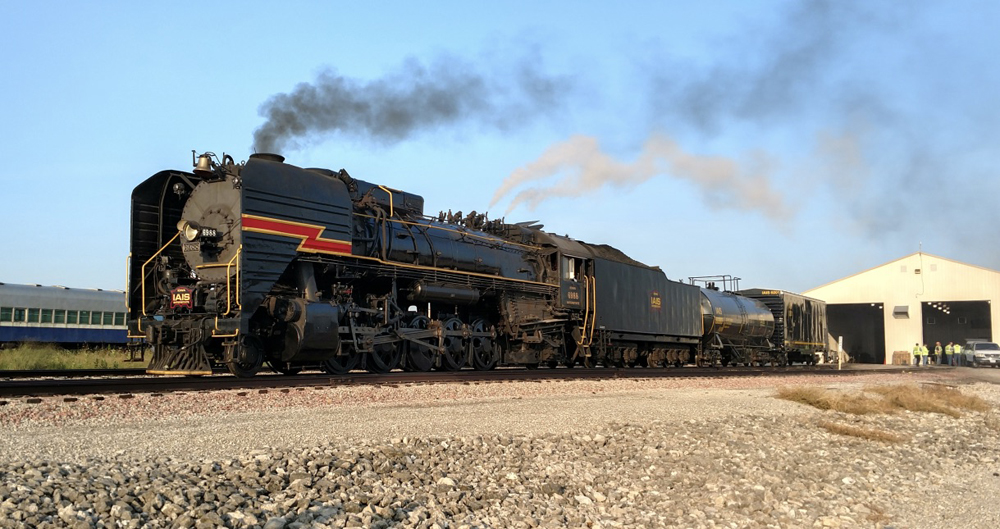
[{"x": 262, "y": 261}]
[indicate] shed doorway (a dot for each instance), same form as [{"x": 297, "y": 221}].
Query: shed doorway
[
  {"x": 862, "y": 325},
  {"x": 956, "y": 321}
]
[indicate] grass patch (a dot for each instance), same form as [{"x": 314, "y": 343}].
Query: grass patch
[
  {"x": 888, "y": 399},
  {"x": 36, "y": 356},
  {"x": 931, "y": 398},
  {"x": 824, "y": 399},
  {"x": 873, "y": 434}
]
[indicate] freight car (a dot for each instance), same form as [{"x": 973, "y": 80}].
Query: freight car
[
  {"x": 800, "y": 330},
  {"x": 737, "y": 329},
  {"x": 238, "y": 264},
  {"x": 57, "y": 314}
]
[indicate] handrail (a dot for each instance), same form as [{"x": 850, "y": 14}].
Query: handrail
[
  {"x": 233, "y": 335},
  {"x": 143, "y": 269},
  {"x": 593, "y": 320},
  {"x": 128, "y": 294},
  {"x": 586, "y": 311},
  {"x": 472, "y": 234},
  {"x": 229, "y": 299},
  {"x": 386, "y": 189}
]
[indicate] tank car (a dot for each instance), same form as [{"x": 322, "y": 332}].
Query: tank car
[
  {"x": 238, "y": 264},
  {"x": 737, "y": 329}
]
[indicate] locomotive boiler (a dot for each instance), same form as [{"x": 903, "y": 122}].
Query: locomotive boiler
[{"x": 238, "y": 264}]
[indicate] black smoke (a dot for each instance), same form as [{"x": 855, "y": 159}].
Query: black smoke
[
  {"x": 885, "y": 99},
  {"x": 448, "y": 92}
]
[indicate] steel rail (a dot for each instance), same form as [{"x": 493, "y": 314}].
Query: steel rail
[
  {"x": 166, "y": 384},
  {"x": 72, "y": 373}
]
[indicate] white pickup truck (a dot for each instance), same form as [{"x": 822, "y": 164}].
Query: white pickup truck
[{"x": 981, "y": 354}]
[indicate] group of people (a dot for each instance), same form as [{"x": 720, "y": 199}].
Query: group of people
[{"x": 950, "y": 354}]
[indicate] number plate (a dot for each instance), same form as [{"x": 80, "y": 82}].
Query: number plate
[{"x": 191, "y": 247}]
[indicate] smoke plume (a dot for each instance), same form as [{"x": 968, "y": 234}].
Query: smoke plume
[
  {"x": 414, "y": 98},
  {"x": 585, "y": 168}
]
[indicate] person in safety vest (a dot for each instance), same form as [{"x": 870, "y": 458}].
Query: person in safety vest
[
  {"x": 924, "y": 353},
  {"x": 938, "y": 352},
  {"x": 949, "y": 355},
  {"x": 959, "y": 359},
  {"x": 916, "y": 354}
]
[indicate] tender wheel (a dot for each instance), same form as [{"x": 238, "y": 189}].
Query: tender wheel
[
  {"x": 485, "y": 352},
  {"x": 383, "y": 359},
  {"x": 341, "y": 364},
  {"x": 455, "y": 355},
  {"x": 247, "y": 357}
]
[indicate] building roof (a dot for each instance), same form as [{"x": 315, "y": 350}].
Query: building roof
[{"x": 894, "y": 261}]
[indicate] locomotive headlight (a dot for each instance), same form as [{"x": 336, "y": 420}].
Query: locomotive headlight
[{"x": 189, "y": 230}]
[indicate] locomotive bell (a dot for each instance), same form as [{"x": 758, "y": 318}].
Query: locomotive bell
[{"x": 204, "y": 165}]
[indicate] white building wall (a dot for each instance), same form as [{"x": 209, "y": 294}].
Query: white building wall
[{"x": 898, "y": 284}]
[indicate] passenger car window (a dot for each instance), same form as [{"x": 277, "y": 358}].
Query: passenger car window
[
  {"x": 6, "y": 314},
  {"x": 19, "y": 314},
  {"x": 33, "y": 315},
  {"x": 84, "y": 317},
  {"x": 71, "y": 317},
  {"x": 46, "y": 315},
  {"x": 109, "y": 318},
  {"x": 95, "y": 318},
  {"x": 59, "y": 316},
  {"x": 119, "y": 318}
]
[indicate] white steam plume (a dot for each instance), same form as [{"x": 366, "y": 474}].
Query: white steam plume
[{"x": 586, "y": 169}]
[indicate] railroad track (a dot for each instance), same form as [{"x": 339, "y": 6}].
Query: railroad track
[
  {"x": 131, "y": 385},
  {"x": 71, "y": 373}
]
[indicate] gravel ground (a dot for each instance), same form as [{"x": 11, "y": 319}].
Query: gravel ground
[{"x": 624, "y": 453}]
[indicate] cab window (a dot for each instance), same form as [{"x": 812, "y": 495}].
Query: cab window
[{"x": 568, "y": 268}]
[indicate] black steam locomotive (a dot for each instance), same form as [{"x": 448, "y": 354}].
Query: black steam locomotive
[{"x": 245, "y": 263}]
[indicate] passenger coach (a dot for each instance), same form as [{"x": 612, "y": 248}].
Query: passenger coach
[{"x": 57, "y": 314}]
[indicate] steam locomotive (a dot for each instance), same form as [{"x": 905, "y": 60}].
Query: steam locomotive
[{"x": 239, "y": 264}]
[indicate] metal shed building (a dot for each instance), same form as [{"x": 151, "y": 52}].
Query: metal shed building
[{"x": 918, "y": 298}]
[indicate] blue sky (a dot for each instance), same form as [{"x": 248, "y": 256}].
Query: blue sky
[{"x": 787, "y": 143}]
